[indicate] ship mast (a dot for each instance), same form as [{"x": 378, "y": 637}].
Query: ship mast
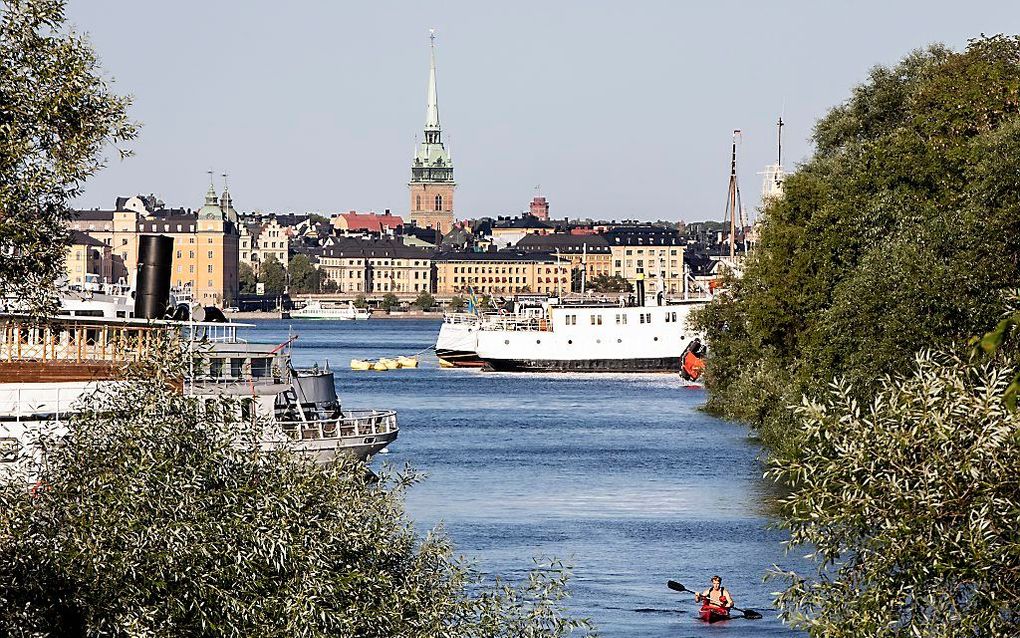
[{"x": 734, "y": 206}]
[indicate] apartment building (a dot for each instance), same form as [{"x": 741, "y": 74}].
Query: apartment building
[{"x": 505, "y": 272}]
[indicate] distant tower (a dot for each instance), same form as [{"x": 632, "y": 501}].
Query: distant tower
[
  {"x": 540, "y": 208},
  {"x": 432, "y": 182}
]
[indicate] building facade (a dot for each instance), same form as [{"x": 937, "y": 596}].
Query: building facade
[
  {"x": 655, "y": 253},
  {"x": 376, "y": 267},
  {"x": 432, "y": 186},
  {"x": 262, "y": 238},
  {"x": 501, "y": 273},
  {"x": 88, "y": 260},
  {"x": 589, "y": 255}
]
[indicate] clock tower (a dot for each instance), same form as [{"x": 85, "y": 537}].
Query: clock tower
[{"x": 432, "y": 184}]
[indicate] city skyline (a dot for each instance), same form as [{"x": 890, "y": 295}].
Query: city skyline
[{"x": 617, "y": 112}]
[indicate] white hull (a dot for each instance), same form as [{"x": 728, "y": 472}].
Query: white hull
[{"x": 574, "y": 338}]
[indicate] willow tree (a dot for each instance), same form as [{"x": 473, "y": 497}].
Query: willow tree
[
  {"x": 900, "y": 233},
  {"x": 57, "y": 116},
  {"x": 910, "y": 504},
  {"x": 156, "y": 514}
]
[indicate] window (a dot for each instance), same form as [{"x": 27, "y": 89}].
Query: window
[
  {"x": 439, "y": 202},
  {"x": 417, "y": 202},
  {"x": 618, "y": 265},
  {"x": 191, "y": 254},
  {"x": 178, "y": 254},
  {"x": 191, "y": 268},
  {"x": 596, "y": 320},
  {"x": 210, "y": 254},
  {"x": 210, "y": 269}
]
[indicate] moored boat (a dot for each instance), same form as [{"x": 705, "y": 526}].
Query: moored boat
[{"x": 316, "y": 309}]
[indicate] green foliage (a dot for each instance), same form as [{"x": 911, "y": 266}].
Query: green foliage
[
  {"x": 457, "y": 303},
  {"x": 273, "y": 275},
  {"x": 389, "y": 301},
  {"x": 909, "y": 504},
  {"x": 326, "y": 284},
  {"x": 161, "y": 515},
  {"x": 57, "y": 114},
  {"x": 608, "y": 283},
  {"x": 246, "y": 279},
  {"x": 360, "y": 302},
  {"x": 304, "y": 277},
  {"x": 424, "y": 300},
  {"x": 898, "y": 235}
]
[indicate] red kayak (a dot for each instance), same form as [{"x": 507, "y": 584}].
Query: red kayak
[{"x": 713, "y": 613}]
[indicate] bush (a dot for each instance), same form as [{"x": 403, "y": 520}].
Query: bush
[
  {"x": 389, "y": 302},
  {"x": 909, "y": 503},
  {"x": 424, "y": 301},
  {"x": 160, "y": 515}
]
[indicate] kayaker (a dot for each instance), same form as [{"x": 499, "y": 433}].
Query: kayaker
[{"x": 716, "y": 595}]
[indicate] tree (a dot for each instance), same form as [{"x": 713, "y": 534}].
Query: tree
[
  {"x": 246, "y": 279},
  {"x": 57, "y": 114},
  {"x": 360, "y": 301},
  {"x": 424, "y": 301},
  {"x": 457, "y": 303},
  {"x": 304, "y": 277},
  {"x": 389, "y": 302},
  {"x": 194, "y": 528},
  {"x": 326, "y": 284},
  {"x": 898, "y": 235},
  {"x": 272, "y": 274},
  {"x": 608, "y": 283},
  {"x": 910, "y": 503}
]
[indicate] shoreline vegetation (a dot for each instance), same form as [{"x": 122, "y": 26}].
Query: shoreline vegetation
[{"x": 846, "y": 346}]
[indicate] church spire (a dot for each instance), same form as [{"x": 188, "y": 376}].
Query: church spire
[{"x": 432, "y": 101}]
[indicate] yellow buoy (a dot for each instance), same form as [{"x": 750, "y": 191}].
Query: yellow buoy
[
  {"x": 359, "y": 364},
  {"x": 408, "y": 362},
  {"x": 380, "y": 366},
  {"x": 391, "y": 364}
]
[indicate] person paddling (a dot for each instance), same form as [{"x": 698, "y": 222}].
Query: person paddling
[{"x": 716, "y": 595}]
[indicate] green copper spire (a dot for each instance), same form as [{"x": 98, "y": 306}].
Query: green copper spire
[
  {"x": 211, "y": 209},
  {"x": 432, "y": 101},
  {"x": 431, "y": 159}
]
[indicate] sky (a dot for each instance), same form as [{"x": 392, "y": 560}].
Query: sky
[{"x": 611, "y": 110}]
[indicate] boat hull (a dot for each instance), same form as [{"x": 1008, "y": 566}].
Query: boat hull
[
  {"x": 652, "y": 364},
  {"x": 712, "y": 613},
  {"x": 459, "y": 358}
]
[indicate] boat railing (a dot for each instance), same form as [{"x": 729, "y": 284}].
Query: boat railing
[
  {"x": 516, "y": 323},
  {"x": 22, "y": 403},
  {"x": 76, "y": 341},
  {"x": 350, "y": 423},
  {"x": 460, "y": 318}
]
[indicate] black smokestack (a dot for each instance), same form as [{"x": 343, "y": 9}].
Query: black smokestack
[
  {"x": 640, "y": 286},
  {"x": 152, "y": 287}
]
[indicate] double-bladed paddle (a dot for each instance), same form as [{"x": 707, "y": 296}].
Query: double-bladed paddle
[{"x": 750, "y": 614}]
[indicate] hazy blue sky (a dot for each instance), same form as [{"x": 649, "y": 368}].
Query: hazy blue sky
[{"x": 618, "y": 110}]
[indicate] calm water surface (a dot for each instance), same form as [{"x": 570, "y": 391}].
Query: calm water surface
[{"x": 619, "y": 473}]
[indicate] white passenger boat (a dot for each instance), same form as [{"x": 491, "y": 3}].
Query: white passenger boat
[
  {"x": 316, "y": 309},
  {"x": 556, "y": 335}
]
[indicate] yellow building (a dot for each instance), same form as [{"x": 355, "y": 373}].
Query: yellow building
[
  {"x": 88, "y": 261},
  {"x": 205, "y": 243},
  {"x": 588, "y": 252},
  {"x": 656, "y": 253},
  {"x": 376, "y": 266},
  {"x": 501, "y": 273}
]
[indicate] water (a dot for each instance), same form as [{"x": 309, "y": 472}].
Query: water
[{"x": 622, "y": 474}]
